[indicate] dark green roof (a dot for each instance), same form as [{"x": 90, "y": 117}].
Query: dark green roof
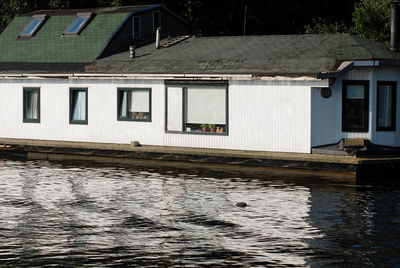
[
  {"x": 307, "y": 54},
  {"x": 49, "y": 46}
]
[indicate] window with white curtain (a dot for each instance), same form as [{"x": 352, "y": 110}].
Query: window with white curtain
[
  {"x": 31, "y": 104},
  {"x": 78, "y": 106},
  {"x": 134, "y": 104},
  {"x": 386, "y": 106},
  {"x": 197, "y": 108}
]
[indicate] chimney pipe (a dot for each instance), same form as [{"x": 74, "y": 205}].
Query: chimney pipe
[
  {"x": 158, "y": 37},
  {"x": 394, "y": 27},
  {"x": 132, "y": 52}
]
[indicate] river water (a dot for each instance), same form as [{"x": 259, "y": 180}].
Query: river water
[{"x": 70, "y": 215}]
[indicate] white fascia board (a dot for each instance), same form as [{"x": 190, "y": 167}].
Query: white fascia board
[
  {"x": 366, "y": 63},
  {"x": 158, "y": 76}
]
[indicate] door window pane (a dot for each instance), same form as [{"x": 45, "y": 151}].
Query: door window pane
[
  {"x": 386, "y": 113},
  {"x": 355, "y": 106}
]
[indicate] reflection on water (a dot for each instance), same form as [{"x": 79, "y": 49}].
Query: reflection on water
[{"x": 72, "y": 216}]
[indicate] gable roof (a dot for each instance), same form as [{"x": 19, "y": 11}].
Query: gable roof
[
  {"x": 49, "y": 50},
  {"x": 271, "y": 55}
]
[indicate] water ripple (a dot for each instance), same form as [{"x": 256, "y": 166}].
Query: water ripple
[{"x": 74, "y": 216}]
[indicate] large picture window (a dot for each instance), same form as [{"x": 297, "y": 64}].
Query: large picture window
[
  {"x": 31, "y": 104},
  {"x": 197, "y": 108},
  {"x": 78, "y": 106},
  {"x": 134, "y": 104},
  {"x": 386, "y": 106},
  {"x": 355, "y": 106}
]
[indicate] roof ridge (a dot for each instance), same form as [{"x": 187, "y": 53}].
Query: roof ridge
[
  {"x": 267, "y": 35},
  {"x": 121, "y": 9}
]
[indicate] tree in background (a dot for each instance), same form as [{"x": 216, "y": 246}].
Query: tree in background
[
  {"x": 372, "y": 19},
  {"x": 366, "y": 18}
]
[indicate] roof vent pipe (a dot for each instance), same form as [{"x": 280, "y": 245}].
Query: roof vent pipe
[
  {"x": 158, "y": 37},
  {"x": 132, "y": 52},
  {"x": 394, "y": 27}
]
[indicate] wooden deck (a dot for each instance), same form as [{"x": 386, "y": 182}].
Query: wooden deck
[{"x": 349, "y": 168}]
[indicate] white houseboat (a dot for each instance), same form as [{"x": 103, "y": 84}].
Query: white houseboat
[{"x": 69, "y": 76}]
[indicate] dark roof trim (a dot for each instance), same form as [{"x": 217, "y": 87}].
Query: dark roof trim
[
  {"x": 343, "y": 68},
  {"x": 130, "y": 16}
]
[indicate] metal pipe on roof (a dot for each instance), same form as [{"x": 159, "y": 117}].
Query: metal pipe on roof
[
  {"x": 394, "y": 27},
  {"x": 132, "y": 52}
]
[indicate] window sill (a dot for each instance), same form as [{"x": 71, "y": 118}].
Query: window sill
[
  {"x": 197, "y": 133},
  {"x": 133, "y": 120},
  {"x": 31, "y": 121},
  {"x": 78, "y": 122}
]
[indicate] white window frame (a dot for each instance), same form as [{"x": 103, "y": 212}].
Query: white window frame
[{"x": 180, "y": 108}]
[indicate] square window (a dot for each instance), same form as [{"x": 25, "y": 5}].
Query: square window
[
  {"x": 78, "y": 106},
  {"x": 33, "y": 26},
  {"x": 134, "y": 104},
  {"x": 386, "y": 106},
  {"x": 197, "y": 108},
  {"x": 355, "y": 106},
  {"x": 31, "y": 104},
  {"x": 79, "y": 23}
]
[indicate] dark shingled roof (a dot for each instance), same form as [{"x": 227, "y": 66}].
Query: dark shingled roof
[
  {"x": 49, "y": 51},
  {"x": 290, "y": 55}
]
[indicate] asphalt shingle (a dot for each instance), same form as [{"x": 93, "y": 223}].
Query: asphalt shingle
[{"x": 290, "y": 55}]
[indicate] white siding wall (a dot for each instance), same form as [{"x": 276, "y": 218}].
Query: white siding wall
[
  {"x": 263, "y": 115},
  {"x": 327, "y": 113}
]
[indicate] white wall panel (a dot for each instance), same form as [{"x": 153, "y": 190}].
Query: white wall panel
[{"x": 263, "y": 115}]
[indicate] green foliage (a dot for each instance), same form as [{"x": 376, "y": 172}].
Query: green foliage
[
  {"x": 367, "y": 18},
  {"x": 321, "y": 26},
  {"x": 9, "y": 8},
  {"x": 371, "y": 19}
]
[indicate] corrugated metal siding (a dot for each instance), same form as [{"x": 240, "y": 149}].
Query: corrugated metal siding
[
  {"x": 263, "y": 115},
  {"x": 327, "y": 113}
]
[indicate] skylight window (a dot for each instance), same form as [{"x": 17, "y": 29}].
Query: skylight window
[
  {"x": 80, "y": 22},
  {"x": 33, "y": 26}
]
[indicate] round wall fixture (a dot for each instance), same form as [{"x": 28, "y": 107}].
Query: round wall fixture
[{"x": 326, "y": 92}]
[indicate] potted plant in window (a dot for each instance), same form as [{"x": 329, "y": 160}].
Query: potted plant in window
[
  {"x": 211, "y": 127},
  {"x": 203, "y": 127}
]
